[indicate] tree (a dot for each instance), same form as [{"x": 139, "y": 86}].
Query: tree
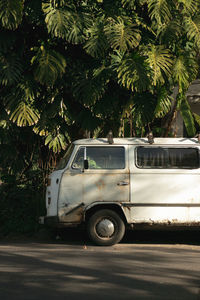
[
  {"x": 76, "y": 68},
  {"x": 72, "y": 67}
]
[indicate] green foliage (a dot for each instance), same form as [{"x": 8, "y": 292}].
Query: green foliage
[
  {"x": 96, "y": 44},
  {"x": 160, "y": 61},
  {"x": 73, "y": 68},
  {"x": 24, "y": 115},
  {"x": 90, "y": 84},
  {"x": 11, "y": 69},
  {"x": 64, "y": 22},
  {"x": 169, "y": 33},
  {"x": 58, "y": 67},
  {"x": 7, "y": 41},
  {"x": 147, "y": 106},
  {"x": 196, "y": 118},
  {"x": 56, "y": 141},
  {"x": 133, "y": 72},
  {"x": 185, "y": 69},
  {"x": 164, "y": 102},
  {"x": 189, "y": 7},
  {"x": 57, "y": 19},
  {"x": 180, "y": 73},
  {"x": 128, "y": 3},
  {"x": 48, "y": 65},
  {"x": 187, "y": 115},
  {"x": 160, "y": 10},
  {"x": 122, "y": 34},
  {"x": 20, "y": 207},
  {"x": 143, "y": 113},
  {"x": 192, "y": 27},
  {"x": 11, "y": 12}
]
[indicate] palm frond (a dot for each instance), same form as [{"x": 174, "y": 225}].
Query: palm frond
[
  {"x": 143, "y": 109},
  {"x": 148, "y": 106},
  {"x": 89, "y": 85},
  {"x": 164, "y": 103},
  {"x": 187, "y": 115},
  {"x": 58, "y": 20},
  {"x": 128, "y": 3},
  {"x": 160, "y": 61},
  {"x": 80, "y": 22},
  {"x": 11, "y": 12},
  {"x": 48, "y": 66},
  {"x": 56, "y": 141},
  {"x": 160, "y": 10},
  {"x": 65, "y": 22},
  {"x": 75, "y": 34},
  {"x": 196, "y": 118},
  {"x": 11, "y": 69},
  {"x": 132, "y": 3},
  {"x": 168, "y": 33},
  {"x": 189, "y": 7},
  {"x": 24, "y": 115},
  {"x": 26, "y": 91},
  {"x": 116, "y": 59},
  {"x": 97, "y": 43},
  {"x": 192, "y": 28},
  {"x": 133, "y": 72},
  {"x": 180, "y": 73},
  {"x": 40, "y": 131},
  {"x": 122, "y": 34},
  {"x": 185, "y": 71}
]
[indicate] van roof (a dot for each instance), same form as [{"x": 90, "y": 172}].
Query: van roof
[{"x": 139, "y": 141}]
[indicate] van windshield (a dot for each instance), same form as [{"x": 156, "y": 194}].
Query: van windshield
[{"x": 63, "y": 162}]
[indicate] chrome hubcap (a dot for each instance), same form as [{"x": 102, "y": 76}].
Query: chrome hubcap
[{"x": 105, "y": 228}]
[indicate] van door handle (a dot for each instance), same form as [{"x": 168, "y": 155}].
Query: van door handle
[{"x": 121, "y": 183}]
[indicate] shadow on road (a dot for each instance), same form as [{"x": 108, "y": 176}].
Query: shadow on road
[
  {"x": 190, "y": 237},
  {"x": 38, "y": 271}
]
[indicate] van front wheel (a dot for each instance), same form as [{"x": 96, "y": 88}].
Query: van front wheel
[{"x": 105, "y": 227}]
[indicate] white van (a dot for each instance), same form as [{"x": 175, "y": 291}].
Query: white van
[{"x": 110, "y": 185}]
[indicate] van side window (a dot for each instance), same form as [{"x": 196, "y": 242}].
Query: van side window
[
  {"x": 101, "y": 158},
  {"x": 167, "y": 158}
]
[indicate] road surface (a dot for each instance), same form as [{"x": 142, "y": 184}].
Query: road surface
[{"x": 137, "y": 268}]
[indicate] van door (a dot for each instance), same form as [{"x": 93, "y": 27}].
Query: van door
[
  {"x": 106, "y": 180},
  {"x": 165, "y": 184},
  {"x": 53, "y": 184}
]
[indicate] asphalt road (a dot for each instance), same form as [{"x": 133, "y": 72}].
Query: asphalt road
[{"x": 143, "y": 266}]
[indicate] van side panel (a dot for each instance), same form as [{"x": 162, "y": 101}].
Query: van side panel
[
  {"x": 91, "y": 186},
  {"x": 164, "y": 195}
]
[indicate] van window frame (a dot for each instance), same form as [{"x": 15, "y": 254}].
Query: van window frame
[
  {"x": 63, "y": 162},
  {"x": 101, "y": 146},
  {"x": 170, "y": 167}
]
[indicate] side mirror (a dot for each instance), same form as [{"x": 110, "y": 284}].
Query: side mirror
[{"x": 86, "y": 164}]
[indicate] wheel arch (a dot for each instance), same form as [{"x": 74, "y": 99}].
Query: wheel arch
[{"x": 90, "y": 210}]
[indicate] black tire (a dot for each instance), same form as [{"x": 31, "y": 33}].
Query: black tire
[{"x": 117, "y": 225}]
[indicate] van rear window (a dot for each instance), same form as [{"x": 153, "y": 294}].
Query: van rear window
[
  {"x": 101, "y": 158},
  {"x": 167, "y": 158}
]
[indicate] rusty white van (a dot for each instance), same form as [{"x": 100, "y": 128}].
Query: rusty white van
[{"x": 110, "y": 185}]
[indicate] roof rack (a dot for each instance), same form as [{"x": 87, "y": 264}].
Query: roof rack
[
  {"x": 150, "y": 137},
  {"x": 198, "y": 137},
  {"x": 110, "y": 137}
]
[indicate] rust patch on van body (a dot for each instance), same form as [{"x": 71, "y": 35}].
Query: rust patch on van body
[
  {"x": 100, "y": 184},
  {"x": 73, "y": 216}
]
